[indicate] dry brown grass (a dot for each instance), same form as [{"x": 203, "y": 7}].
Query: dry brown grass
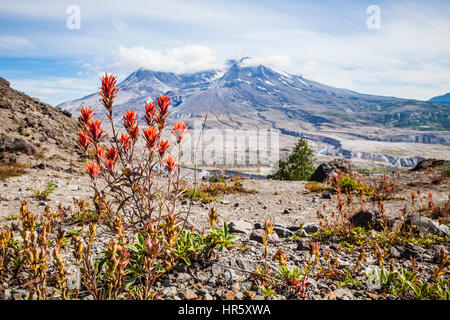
[{"x": 11, "y": 169}]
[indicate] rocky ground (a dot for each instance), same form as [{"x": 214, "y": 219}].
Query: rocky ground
[{"x": 229, "y": 276}]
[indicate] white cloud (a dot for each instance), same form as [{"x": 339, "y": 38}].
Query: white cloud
[
  {"x": 277, "y": 61},
  {"x": 189, "y": 58},
  {"x": 55, "y": 90},
  {"x": 8, "y": 42}
]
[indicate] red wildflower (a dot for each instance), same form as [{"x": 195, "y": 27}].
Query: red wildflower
[
  {"x": 125, "y": 141},
  {"x": 95, "y": 129},
  {"x": 179, "y": 130},
  {"x": 161, "y": 121},
  {"x": 110, "y": 164},
  {"x": 163, "y": 108},
  {"x": 430, "y": 194},
  {"x": 163, "y": 104},
  {"x": 151, "y": 137},
  {"x": 150, "y": 111},
  {"x": 83, "y": 141},
  {"x": 92, "y": 169},
  {"x": 129, "y": 119},
  {"x": 112, "y": 154},
  {"x": 388, "y": 190},
  {"x": 100, "y": 152},
  {"x": 108, "y": 90},
  {"x": 86, "y": 115},
  {"x": 134, "y": 132},
  {"x": 163, "y": 146},
  {"x": 171, "y": 164}
]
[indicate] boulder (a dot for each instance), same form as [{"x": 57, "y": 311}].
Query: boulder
[
  {"x": 258, "y": 235},
  {"x": 240, "y": 226},
  {"x": 426, "y": 225},
  {"x": 282, "y": 231},
  {"x": 367, "y": 219},
  {"x": 311, "y": 227},
  {"x": 325, "y": 170},
  {"x": 430, "y": 163},
  {"x": 16, "y": 145}
]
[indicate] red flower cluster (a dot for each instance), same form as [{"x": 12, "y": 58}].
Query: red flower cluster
[
  {"x": 163, "y": 146},
  {"x": 83, "y": 141},
  {"x": 108, "y": 91},
  {"x": 179, "y": 130},
  {"x": 150, "y": 111},
  {"x": 151, "y": 137},
  {"x": 125, "y": 141},
  {"x": 155, "y": 117},
  {"x": 95, "y": 129},
  {"x": 171, "y": 164},
  {"x": 130, "y": 124},
  {"x": 163, "y": 111},
  {"x": 111, "y": 158},
  {"x": 86, "y": 116},
  {"x": 92, "y": 169}
]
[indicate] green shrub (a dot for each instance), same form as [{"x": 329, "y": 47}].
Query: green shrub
[
  {"x": 446, "y": 172},
  {"x": 298, "y": 166},
  {"x": 348, "y": 183}
]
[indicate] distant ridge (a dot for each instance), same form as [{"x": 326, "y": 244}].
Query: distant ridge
[
  {"x": 263, "y": 95},
  {"x": 444, "y": 99}
]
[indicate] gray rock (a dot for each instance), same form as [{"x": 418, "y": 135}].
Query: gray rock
[
  {"x": 18, "y": 294},
  {"x": 311, "y": 227},
  {"x": 344, "y": 294},
  {"x": 208, "y": 297},
  {"x": 396, "y": 252},
  {"x": 343, "y": 263},
  {"x": 326, "y": 195},
  {"x": 170, "y": 291},
  {"x": 325, "y": 170},
  {"x": 367, "y": 219},
  {"x": 426, "y": 225},
  {"x": 74, "y": 278},
  {"x": 240, "y": 226},
  {"x": 258, "y": 225},
  {"x": 301, "y": 233},
  {"x": 230, "y": 275},
  {"x": 303, "y": 245},
  {"x": 282, "y": 232},
  {"x": 74, "y": 188},
  {"x": 258, "y": 234},
  {"x": 14, "y": 145},
  {"x": 184, "y": 277}
]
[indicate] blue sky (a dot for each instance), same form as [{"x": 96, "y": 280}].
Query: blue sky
[{"x": 327, "y": 41}]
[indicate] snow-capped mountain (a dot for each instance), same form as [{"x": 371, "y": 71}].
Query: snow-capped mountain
[{"x": 261, "y": 95}]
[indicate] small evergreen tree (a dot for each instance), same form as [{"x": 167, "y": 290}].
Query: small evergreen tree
[{"x": 298, "y": 166}]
